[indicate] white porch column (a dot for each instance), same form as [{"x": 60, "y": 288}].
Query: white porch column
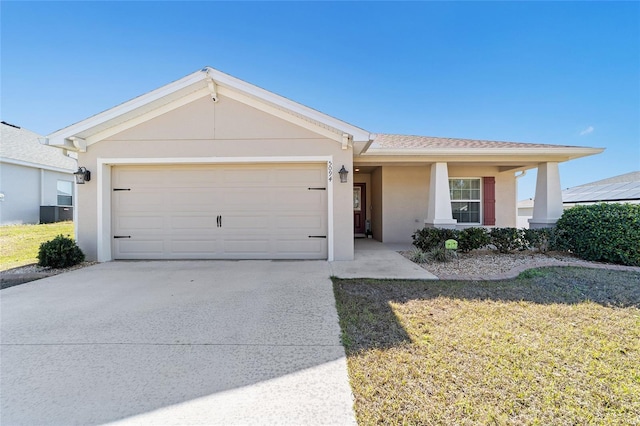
[
  {"x": 439, "y": 207},
  {"x": 547, "y": 205}
]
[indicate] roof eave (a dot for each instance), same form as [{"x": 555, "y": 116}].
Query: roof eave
[{"x": 562, "y": 153}]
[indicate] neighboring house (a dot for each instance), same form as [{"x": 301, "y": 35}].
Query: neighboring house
[
  {"x": 525, "y": 212},
  {"x": 618, "y": 189},
  {"x": 32, "y": 175},
  {"x": 212, "y": 167}
]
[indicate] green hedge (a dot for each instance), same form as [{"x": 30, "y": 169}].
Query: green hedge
[
  {"x": 427, "y": 239},
  {"x": 600, "y": 232},
  {"x": 603, "y": 232}
]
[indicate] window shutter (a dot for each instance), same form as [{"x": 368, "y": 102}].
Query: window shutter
[{"x": 489, "y": 201}]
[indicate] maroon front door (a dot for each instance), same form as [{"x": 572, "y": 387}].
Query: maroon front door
[{"x": 359, "y": 208}]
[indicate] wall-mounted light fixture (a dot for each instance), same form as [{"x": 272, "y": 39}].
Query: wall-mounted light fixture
[
  {"x": 343, "y": 174},
  {"x": 82, "y": 175}
]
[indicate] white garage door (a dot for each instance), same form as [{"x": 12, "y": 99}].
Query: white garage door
[{"x": 272, "y": 211}]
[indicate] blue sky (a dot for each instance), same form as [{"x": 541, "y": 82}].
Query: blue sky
[{"x": 543, "y": 72}]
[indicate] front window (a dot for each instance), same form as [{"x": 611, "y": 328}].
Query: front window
[
  {"x": 65, "y": 193},
  {"x": 465, "y": 199}
]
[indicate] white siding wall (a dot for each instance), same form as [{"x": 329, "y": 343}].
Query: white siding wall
[{"x": 24, "y": 194}]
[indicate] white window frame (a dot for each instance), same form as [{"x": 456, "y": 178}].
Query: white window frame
[
  {"x": 479, "y": 201},
  {"x": 71, "y": 194}
]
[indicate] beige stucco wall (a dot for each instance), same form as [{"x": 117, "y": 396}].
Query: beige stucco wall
[
  {"x": 403, "y": 191},
  {"x": 224, "y": 129},
  {"x": 506, "y": 189}
]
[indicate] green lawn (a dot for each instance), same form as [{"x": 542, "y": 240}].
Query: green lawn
[
  {"x": 19, "y": 244},
  {"x": 556, "y": 346}
]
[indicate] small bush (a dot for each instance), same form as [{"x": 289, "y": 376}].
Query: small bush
[
  {"x": 441, "y": 254},
  {"x": 472, "y": 239},
  {"x": 61, "y": 252},
  {"x": 418, "y": 256},
  {"x": 539, "y": 239},
  {"x": 603, "y": 232},
  {"x": 507, "y": 240},
  {"x": 427, "y": 239}
]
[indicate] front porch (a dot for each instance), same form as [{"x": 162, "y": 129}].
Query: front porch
[
  {"x": 393, "y": 200},
  {"x": 373, "y": 259}
]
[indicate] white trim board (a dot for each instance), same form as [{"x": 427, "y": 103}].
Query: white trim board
[
  {"x": 104, "y": 208},
  {"x": 36, "y": 165}
]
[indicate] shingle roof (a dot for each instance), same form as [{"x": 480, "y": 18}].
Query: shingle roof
[
  {"x": 627, "y": 177},
  {"x": 23, "y": 145},
  {"x": 390, "y": 141},
  {"x": 618, "y": 188}
]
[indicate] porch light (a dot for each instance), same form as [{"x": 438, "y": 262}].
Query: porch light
[
  {"x": 343, "y": 174},
  {"x": 82, "y": 175}
]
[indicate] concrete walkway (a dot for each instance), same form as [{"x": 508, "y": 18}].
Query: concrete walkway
[
  {"x": 184, "y": 342},
  {"x": 374, "y": 259}
]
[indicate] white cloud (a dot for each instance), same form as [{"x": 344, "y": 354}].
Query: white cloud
[{"x": 586, "y": 131}]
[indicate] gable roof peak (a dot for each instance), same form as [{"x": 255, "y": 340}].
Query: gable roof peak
[{"x": 93, "y": 128}]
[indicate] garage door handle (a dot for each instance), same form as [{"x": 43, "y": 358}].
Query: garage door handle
[
  {"x": 122, "y": 236},
  {"x": 317, "y": 236},
  {"x": 317, "y": 189},
  {"x": 220, "y": 221}
]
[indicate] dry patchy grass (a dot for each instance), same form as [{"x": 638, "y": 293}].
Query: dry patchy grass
[
  {"x": 555, "y": 346},
  {"x": 19, "y": 244}
]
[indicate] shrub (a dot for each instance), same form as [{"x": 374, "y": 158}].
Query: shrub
[
  {"x": 427, "y": 239},
  {"x": 507, "y": 240},
  {"x": 472, "y": 239},
  {"x": 418, "y": 256},
  {"x": 61, "y": 252},
  {"x": 541, "y": 239},
  {"x": 603, "y": 232},
  {"x": 441, "y": 254}
]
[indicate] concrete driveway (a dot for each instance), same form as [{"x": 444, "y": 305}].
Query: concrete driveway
[{"x": 184, "y": 342}]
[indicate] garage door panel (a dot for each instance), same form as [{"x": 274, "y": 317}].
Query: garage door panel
[
  {"x": 255, "y": 247},
  {"x": 303, "y": 248},
  {"x": 132, "y": 201},
  {"x": 234, "y": 222},
  {"x": 246, "y": 199},
  {"x": 138, "y": 177},
  {"x": 194, "y": 247},
  {"x": 244, "y": 176},
  {"x": 188, "y": 199},
  {"x": 267, "y": 212},
  {"x": 289, "y": 176},
  {"x": 195, "y": 177},
  {"x": 300, "y": 200},
  {"x": 139, "y": 223},
  {"x": 299, "y": 222},
  {"x": 192, "y": 222},
  {"x": 141, "y": 249}
]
